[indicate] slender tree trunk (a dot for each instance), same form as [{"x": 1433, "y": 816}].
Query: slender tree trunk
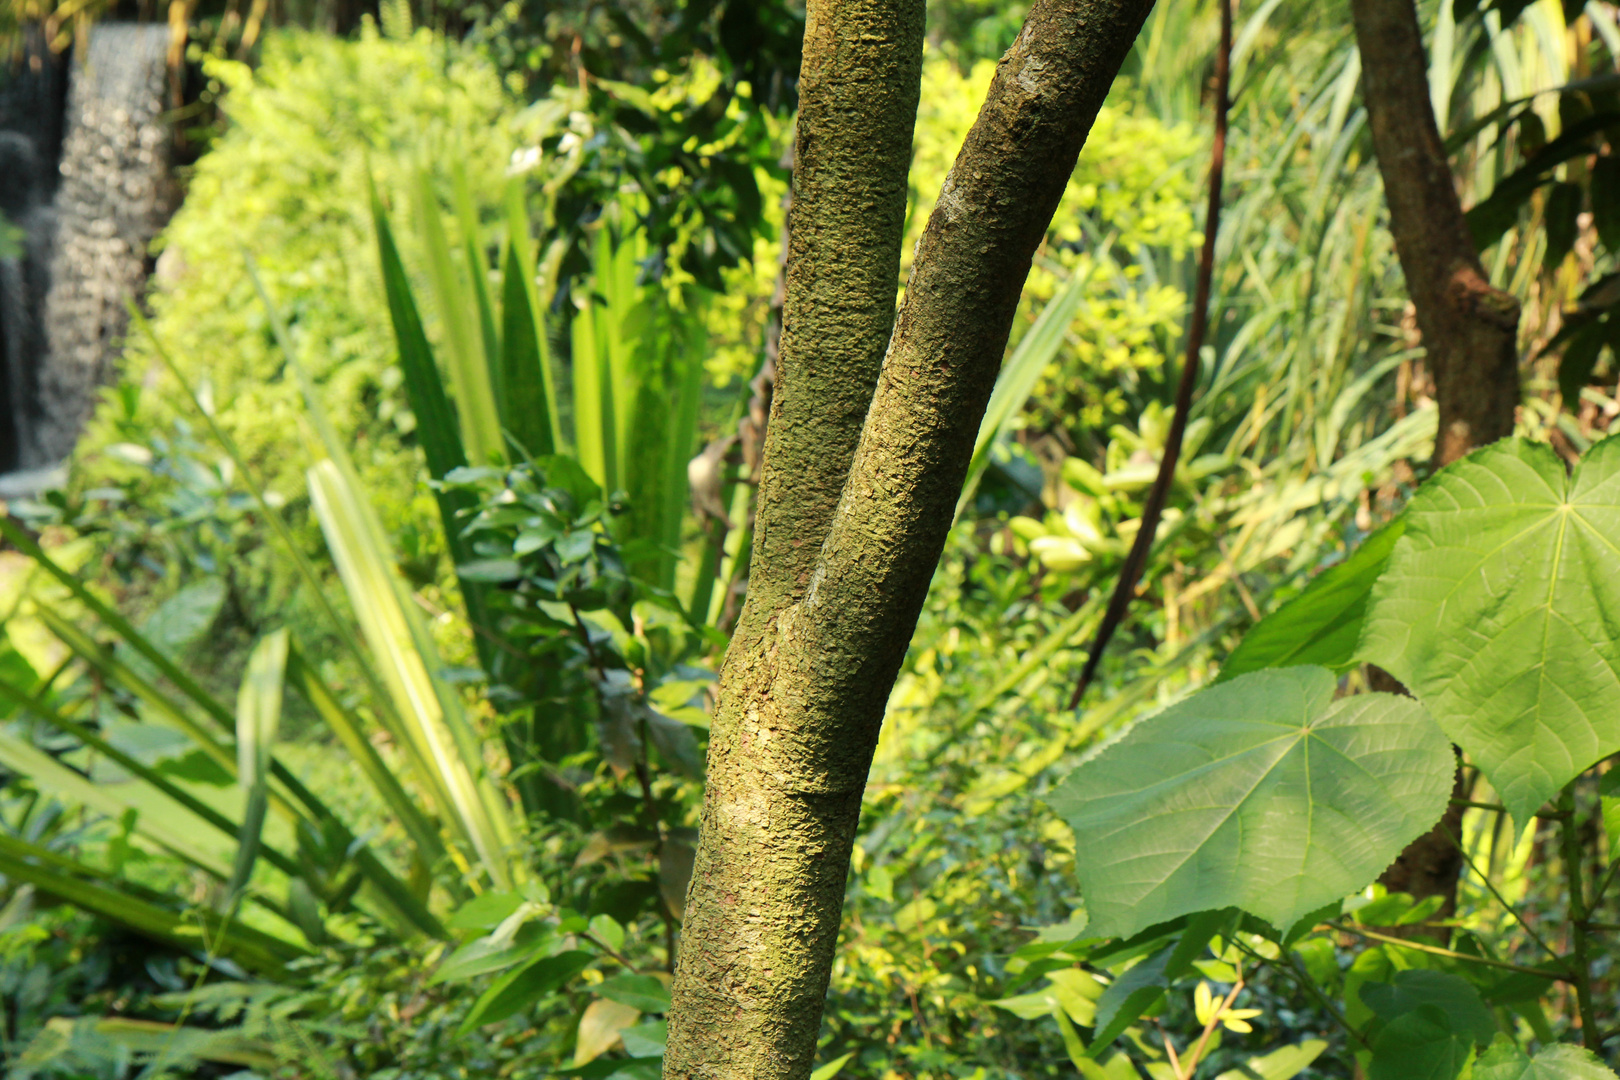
[
  {"x": 849, "y": 532},
  {"x": 1470, "y": 329}
]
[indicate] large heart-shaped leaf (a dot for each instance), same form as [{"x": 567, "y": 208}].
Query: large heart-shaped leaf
[
  {"x": 1499, "y": 611},
  {"x": 1505, "y": 1061},
  {"x": 1261, "y": 793}
]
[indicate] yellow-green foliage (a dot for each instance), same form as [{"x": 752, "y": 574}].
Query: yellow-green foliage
[
  {"x": 286, "y": 183},
  {"x": 1134, "y": 182}
]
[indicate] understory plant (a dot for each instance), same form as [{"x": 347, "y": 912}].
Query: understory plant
[{"x": 1224, "y": 834}]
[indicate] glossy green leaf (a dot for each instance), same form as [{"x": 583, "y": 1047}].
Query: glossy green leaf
[
  {"x": 1322, "y": 625},
  {"x": 1451, "y": 994},
  {"x": 1495, "y": 608},
  {"x": 1262, "y": 793},
  {"x": 641, "y": 992},
  {"x": 519, "y": 989},
  {"x": 1284, "y": 1064},
  {"x": 1505, "y": 1061},
  {"x": 1419, "y": 1045}
]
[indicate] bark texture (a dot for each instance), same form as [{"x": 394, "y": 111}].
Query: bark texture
[
  {"x": 1470, "y": 329},
  {"x": 835, "y": 592}
]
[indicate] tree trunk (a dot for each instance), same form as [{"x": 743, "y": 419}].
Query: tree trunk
[
  {"x": 1470, "y": 329},
  {"x": 849, "y": 532}
]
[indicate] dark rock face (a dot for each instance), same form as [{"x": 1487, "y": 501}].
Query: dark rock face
[{"x": 84, "y": 173}]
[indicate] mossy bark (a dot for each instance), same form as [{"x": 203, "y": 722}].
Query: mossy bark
[
  {"x": 1470, "y": 329},
  {"x": 838, "y": 579}
]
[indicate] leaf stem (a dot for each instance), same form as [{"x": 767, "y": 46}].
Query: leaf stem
[
  {"x": 1485, "y": 878},
  {"x": 1435, "y": 950},
  {"x": 1301, "y": 978},
  {"x": 1581, "y": 953}
]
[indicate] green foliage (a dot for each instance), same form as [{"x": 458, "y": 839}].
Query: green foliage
[
  {"x": 1208, "y": 804},
  {"x": 1505, "y": 1061},
  {"x": 1322, "y": 625},
  {"x": 1491, "y": 607},
  {"x": 1262, "y": 793},
  {"x": 288, "y": 183}
]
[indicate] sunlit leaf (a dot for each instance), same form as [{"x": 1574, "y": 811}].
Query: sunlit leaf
[
  {"x": 1261, "y": 793},
  {"x": 1495, "y": 611},
  {"x": 1322, "y": 625},
  {"x": 1505, "y": 1061}
]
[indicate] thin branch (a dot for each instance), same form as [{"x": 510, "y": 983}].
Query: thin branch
[
  {"x": 1435, "y": 950},
  {"x": 1569, "y": 836},
  {"x": 1500, "y": 899},
  {"x": 1153, "y": 508}
]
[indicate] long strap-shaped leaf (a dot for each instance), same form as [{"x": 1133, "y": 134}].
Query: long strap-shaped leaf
[
  {"x": 464, "y": 336},
  {"x": 436, "y": 427},
  {"x": 258, "y": 717},
  {"x": 1036, "y": 349},
  {"x": 385, "y": 881},
  {"x": 351, "y": 733},
  {"x": 530, "y": 405},
  {"x": 433, "y": 719},
  {"x": 290, "y": 547},
  {"x": 147, "y": 774},
  {"x": 426, "y": 712},
  {"x": 197, "y": 929}
]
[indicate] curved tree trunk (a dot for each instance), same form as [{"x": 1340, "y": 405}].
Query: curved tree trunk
[
  {"x": 849, "y": 532},
  {"x": 1470, "y": 329}
]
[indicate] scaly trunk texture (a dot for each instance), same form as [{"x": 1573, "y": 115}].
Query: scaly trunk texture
[
  {"x": 837, "y": 580},
  {"x": 1470, "y": 329}
]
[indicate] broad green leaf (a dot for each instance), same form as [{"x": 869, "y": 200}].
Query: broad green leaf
[
  {"x": 1282, "y": 1064},
  {"x": 1262, "y": 793},
  {"x": 1452, "y": 995},
  {"x": 646, "y": 1040},
  {"x": 1419, "y": 1045},
  {"x": 1321, "y": 625},
  {"x": 641, "y": 992},
  {"x": 493, "y": 953},
  {"x": 1505, "y": 1061},
  {"x": 485, "y": 912},
  {"x": 517, "y": 990},
  {"x": 830, "y": 1070},
  {"x": 1496, "y": 612}
]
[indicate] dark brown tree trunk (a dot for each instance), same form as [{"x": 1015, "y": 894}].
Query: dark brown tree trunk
[
  {"x": 1470, "y": 329},
  {"x": 849, "y": 531}
]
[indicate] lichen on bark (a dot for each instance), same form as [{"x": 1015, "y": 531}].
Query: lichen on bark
[{"x": 836, "y": 584}]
